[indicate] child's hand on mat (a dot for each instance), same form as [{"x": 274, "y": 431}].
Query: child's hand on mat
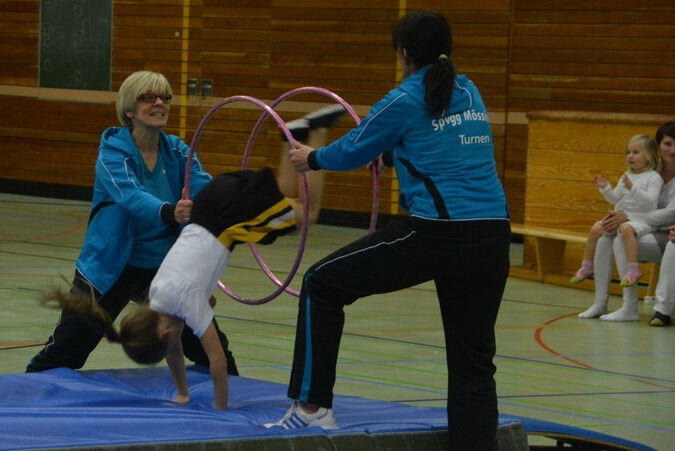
[{"x": 181, "y": 399}]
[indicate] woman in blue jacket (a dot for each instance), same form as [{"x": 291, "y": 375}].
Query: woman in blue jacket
[
  {"x": 135, "y": 218},
  {"x": 434, "y": 129}
]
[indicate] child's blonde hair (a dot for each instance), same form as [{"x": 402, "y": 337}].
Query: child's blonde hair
[
  {"x": 648, "y": 148},
  {"x": 138, "y": 333}
]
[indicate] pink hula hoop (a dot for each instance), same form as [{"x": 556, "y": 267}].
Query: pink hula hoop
[
  {"x": 305, "y": 196},
  {"x": 268, "y": 110},
  {"x": 249, "y": 146}
]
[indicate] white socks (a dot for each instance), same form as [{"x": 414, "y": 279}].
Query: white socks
[
  {"x": 597, "y": 309},
  {"x": 627, "y": 312}
]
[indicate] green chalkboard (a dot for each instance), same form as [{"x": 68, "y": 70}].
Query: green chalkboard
[{"x": 75, "y": 44}]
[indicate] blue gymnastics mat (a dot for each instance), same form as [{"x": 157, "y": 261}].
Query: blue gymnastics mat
[{"x": 62, "y": 408}]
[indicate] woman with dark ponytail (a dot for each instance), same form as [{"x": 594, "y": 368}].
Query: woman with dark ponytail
[
  {"x": 423, "y": 39},
  {"x": 434, "y": 129}
]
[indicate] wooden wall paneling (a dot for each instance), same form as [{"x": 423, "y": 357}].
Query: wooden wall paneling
[
  {"x": 147, "y": 36},
  {"x": 235, "y": 53},
  {"x": 514, "y": 168},
  {"x": 19, "y": 42},
  {"x": 346, "y": 49},
  {"x": 592, "y": 56}
]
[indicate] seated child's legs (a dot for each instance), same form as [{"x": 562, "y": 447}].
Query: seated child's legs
[
  {"x": 629, "y": 240},
  {"x": 586, "y": 269}
]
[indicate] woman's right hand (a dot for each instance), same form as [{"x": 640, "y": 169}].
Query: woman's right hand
[
  {"x": 299, "y": 153},
  {"x": 612, "y": 221},
  {"x": 381, "y": 167},
  {"x": 183, "y": 211}
]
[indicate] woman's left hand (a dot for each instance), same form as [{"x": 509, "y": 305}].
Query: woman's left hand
[
  {"x": 298, "y": 154},
  {"x": 183, "y": 211}
]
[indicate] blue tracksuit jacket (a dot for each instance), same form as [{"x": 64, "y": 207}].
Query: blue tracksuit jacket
[
  {"x": 445, "y": 165},
  {"x": 119, "y": 199}
]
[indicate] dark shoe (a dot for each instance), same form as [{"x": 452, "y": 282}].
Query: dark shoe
[
  {"x": 325, "y": 117},
  {"x": 299, "y": 128},
  {"x": 660, "y": 320}
]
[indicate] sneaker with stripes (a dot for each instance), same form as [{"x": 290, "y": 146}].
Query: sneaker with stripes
[{"x": 296, "y": 417}]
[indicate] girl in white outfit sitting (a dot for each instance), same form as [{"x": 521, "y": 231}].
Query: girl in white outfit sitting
[
  {"x": 650, "y": 246},
  {"x": 637, "y": 192}
]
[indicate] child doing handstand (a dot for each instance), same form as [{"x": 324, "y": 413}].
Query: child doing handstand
[
  {"x": 637, "y": 192},
  {"x": 237, "y": 207}
]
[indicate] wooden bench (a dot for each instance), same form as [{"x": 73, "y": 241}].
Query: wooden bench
[
  {"x": 549, "y": 246},
  {"x": 549, "y": 252}
]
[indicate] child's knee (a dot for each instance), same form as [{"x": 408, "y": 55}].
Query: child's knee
[
  {"x": 626, "y": 230},
  {"x": 596, "y": 230}
]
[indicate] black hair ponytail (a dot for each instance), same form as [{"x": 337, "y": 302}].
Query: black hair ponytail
[
  {"x": 426, "y": 37},
  {"x": 439, "y": 81}
]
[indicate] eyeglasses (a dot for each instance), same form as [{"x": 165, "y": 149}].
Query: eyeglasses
[{"x": 150, "y": 98}]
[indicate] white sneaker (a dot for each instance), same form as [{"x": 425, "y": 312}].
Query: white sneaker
[{"x": 296, "y": 418}]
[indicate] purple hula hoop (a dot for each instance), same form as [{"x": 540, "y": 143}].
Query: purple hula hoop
[
  {"x": 303, "y": 231},
  {"x": 249, "y": 146},
  {"x": 268, "y": 110}
]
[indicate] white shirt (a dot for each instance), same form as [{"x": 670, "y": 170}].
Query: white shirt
[
  {"x": 187, "y": 277},
  {"x": 641, "y": 198}
]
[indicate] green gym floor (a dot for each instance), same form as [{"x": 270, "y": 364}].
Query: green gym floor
[{"x": 614, "y": 378}]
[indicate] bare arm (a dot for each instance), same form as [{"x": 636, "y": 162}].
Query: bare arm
[
  {"x": 176, "y": 362},
  {"x": 217, "y": 366}
]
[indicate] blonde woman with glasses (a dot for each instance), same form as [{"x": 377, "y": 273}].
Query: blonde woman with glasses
[{"x": 135, "y": 217}]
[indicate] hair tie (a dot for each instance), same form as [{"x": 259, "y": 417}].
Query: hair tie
[{"x": 442, "y": 56}]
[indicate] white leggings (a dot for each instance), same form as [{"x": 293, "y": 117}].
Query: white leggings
[
  {"x": 665, "y": 289},
  {"x": 650, "y": 249}
]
